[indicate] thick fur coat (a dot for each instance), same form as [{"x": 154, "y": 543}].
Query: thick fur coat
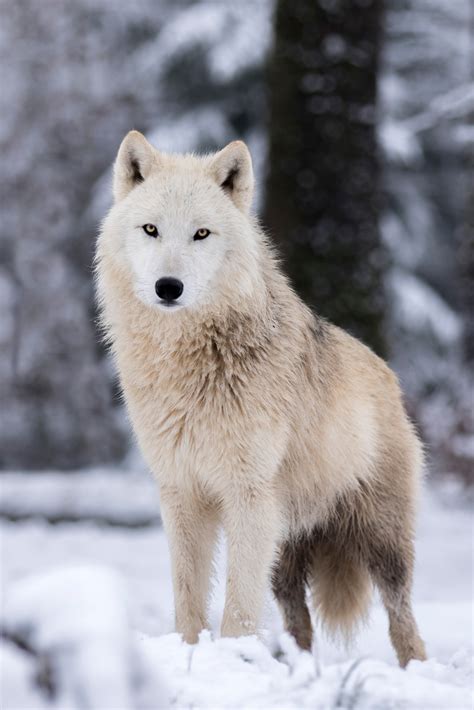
[{"x": 253, "y": 413}]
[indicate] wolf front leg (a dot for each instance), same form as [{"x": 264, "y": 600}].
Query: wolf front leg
[
  {"x": 251, "y": 523},
  {"x": 191, "y": 528}
]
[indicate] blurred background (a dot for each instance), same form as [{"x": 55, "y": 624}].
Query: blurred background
[
  {"x": 360, "y": 121},
  {"x": 360, "y": 118}
]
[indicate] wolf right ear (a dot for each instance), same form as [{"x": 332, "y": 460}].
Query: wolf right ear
[{"x": 133, "y": 164}]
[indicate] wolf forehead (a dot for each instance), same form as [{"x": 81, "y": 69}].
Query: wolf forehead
[
  {"x": 174, "y": 191},
  {"x": 139, "y": 163}
]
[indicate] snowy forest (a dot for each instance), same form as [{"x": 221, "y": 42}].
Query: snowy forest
[{"x": 359, "y": 115}]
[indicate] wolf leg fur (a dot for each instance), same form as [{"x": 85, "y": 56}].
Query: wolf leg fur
[
  {"x": 191, "y": 528},
  {"x": 251, "y": 526}
]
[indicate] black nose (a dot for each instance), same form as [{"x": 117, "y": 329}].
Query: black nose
[{"x": 168, "y": 288}]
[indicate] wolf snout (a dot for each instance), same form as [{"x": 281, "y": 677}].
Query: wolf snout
[{"x": 169, "y": 289}]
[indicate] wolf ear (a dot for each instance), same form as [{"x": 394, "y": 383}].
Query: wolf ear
[
  {"x": 133, "y": 164},
  {"x": 232, "y": 169}
]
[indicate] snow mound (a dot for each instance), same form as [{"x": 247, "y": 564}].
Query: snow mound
[
  {"x": 68, "y": 643},
  {"x": 236, "y": 673},
  {"x": 67, "y": 638}
]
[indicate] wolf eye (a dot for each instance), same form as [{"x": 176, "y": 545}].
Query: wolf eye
[
  {"x": 150, "y": 229},
  {"x": 201, "y": 234}
]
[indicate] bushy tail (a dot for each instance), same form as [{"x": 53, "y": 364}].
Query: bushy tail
[{"x": 341, "y": 588}]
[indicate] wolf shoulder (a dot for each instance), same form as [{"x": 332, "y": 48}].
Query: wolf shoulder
[{"x": 347, "y": 357}]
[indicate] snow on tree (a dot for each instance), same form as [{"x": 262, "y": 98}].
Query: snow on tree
[{"x": 427, "y": 106}]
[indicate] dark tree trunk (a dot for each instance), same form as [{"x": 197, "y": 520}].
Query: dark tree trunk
[
  {"x": 322, "y": 199},
  {"x": 466, "y": 269}
]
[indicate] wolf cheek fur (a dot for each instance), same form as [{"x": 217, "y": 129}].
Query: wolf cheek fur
[{"x": 253, "y": 413}]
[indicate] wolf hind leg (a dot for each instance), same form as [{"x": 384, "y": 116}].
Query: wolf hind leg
[
  {"x": 289, "y": 588},
  {"x": 391, "y": 567}
]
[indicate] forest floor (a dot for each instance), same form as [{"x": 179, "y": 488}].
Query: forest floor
[{"x": 87, "y": 614}]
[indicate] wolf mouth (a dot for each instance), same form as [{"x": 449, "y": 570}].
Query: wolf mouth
[{"x": 167, "y": 304}]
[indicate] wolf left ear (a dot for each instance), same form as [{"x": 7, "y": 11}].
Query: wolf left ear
[
  {"x": 133, "y": 164},
  {"x": 232, "y": 170}
]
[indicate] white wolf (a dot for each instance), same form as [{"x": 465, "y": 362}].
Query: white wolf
[{"x": 252, "y": 412}]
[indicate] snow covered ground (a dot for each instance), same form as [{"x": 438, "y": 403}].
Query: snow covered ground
[{"x": 87, "y": 614}]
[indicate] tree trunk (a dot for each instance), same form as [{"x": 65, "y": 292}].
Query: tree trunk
[
  {"x": 466, "y": 269},
  {"x": 322, "y": 191}
]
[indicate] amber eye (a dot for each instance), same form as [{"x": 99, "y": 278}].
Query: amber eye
[
  {"x": 201, "y": 234},
  {"x": 150, "y": 229}
]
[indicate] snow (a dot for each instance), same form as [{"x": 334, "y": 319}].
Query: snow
[
  {"x": 398, "y": 142},
  {"x": 418, "y": 307},
  {"x": 236, "y": 37},
  {"x": 94, "y": 494},
  {"x": 76, "y": 620},
  {"x": 399, "y": 139},
  {"x": 17, "y": 690},
  {"x": 93, "y": 603},
  {"x": 77, "y": 616}
]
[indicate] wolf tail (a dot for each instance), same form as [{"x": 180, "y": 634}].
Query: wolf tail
[{"x": 341, "y": 589}]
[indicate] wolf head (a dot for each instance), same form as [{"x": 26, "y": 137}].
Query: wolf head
[{"x": 180, "y": 228}]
